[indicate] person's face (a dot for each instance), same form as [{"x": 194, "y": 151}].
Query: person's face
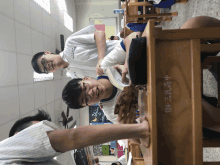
[
  {"x": 49, "y": 62},
  {"x": 92, "y": 91},
  {"x": 116, "y": 38}
]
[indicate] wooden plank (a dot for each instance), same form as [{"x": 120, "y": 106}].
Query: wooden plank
[
  {"x": 211, "y": 163},
  {"x": 211, "y": 143},
  {"x": 218, "y": 84},
  {"x": 211, "y": 59},
  {"x": 139, "y": 4},
  {"x": 182, "y": 34},
  {"x": 154, "y": 15},
  {"x": 150, "y": 154},
  {"x": 210, "y": 47},
  {"x": 196, "y": 102}
]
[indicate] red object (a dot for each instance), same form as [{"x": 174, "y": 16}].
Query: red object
[
  {"x": 100, "y": 27},
  {"x": 120, "y": 148},
  {"x": 120, "y": 153}
]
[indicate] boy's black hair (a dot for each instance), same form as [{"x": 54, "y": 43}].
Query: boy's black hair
[
  {"x": 25, "y": 122},
  {"x": 34, "y": 62},
  {"x": 71, "y": 93}
]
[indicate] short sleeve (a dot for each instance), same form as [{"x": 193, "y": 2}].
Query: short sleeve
[
  {"x": 30, "y": 145},
  {"x": 84, "y": 36}
]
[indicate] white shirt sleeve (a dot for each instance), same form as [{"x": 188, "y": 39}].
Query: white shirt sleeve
[
  {"x": 30, "y": 145},
  {"x": 116, "y": 56},
  {"x": 84, "y": 36}
]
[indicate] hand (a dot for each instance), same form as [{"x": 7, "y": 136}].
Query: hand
[
  {"x": 122, "y": 69},
  {"x": 99, "y": 71}
]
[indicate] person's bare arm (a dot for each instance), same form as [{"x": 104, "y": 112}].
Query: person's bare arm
[
  {"x": 61, "y": 140},
  {"x": 77, "y": 138},
  {"x": 100, "y": 40}
]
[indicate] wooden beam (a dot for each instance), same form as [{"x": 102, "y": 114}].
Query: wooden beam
[
  {"x": 139, "y": 4},
  {"x": 196, "y": 102},
  {"x": 209, "y": 60},
  {"x": 210, "y": 47},
  {"x": 154, "y": 15},
  {"x": 181, "y": 34}
]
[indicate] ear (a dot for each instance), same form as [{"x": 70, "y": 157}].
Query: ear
[
  {"x": 47, "y": 52},
  {"x": 86, "y": 78}
]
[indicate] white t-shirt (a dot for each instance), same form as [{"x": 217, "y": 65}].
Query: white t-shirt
[
  {"x": 82, "y": 54},
  {"x": 30, "y": 146},
  {"x": 116, "y": 56}
]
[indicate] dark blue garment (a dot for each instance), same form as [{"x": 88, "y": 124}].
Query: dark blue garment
[
  {"x": 136, "y": 27},
  {"x": 162, "y": 4},
  {"x": 114, "y": 89},
  {"x": 165, "y": 4},
  {"x": 123, "y": 45}
]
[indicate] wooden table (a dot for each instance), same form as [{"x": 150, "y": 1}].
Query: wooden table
[{"x": 172, "y": 102}]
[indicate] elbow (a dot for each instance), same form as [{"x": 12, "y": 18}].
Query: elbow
[{"x": 75, "y": 139}]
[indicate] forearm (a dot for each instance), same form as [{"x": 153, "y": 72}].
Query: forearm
[
  {"x": 100, "y": 40},
  {"x": 93, "y": 135}
]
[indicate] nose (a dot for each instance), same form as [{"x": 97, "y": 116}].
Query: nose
[
  {"x": 49, "y": 65},
  {"x": 91, "y": 93}
]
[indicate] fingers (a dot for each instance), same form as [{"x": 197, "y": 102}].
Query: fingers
[
  {"x": 99, "y": 71},
  {"x": 123, "y": 77}
]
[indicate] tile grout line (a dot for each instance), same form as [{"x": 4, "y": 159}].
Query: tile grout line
[{"x": 16, "y": 61}]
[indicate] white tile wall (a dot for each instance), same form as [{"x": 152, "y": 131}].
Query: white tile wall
[
  {"x": 7, "y": 34},
  {"x": 9, "y": 103},
  {"x": 5, "y": 128},
  {"x": 50, "y": 110},
  {"x": 8, "y": 64},
  {"x": 40, "y": 94},
  {"x": 22, "y": 11},
  {"x": 27, "y": 29},
  {"x": 23, "y": 38},
  {"x": 6, "y": 7},
  {"x": 49, "y": 91},
  {"x": 58, "y": 109},
  {"x": 25, "y": 71},
  {"x": 26, "y": 96},
  {"x": 54, "y": 28},
  {"x": 47, "y": 43},
  {"x": 46, "y": 23},
  {"x": 36, "y": 16},
  {"x": 37, "y": 42},
  {"x": 58, "y": 88}
]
